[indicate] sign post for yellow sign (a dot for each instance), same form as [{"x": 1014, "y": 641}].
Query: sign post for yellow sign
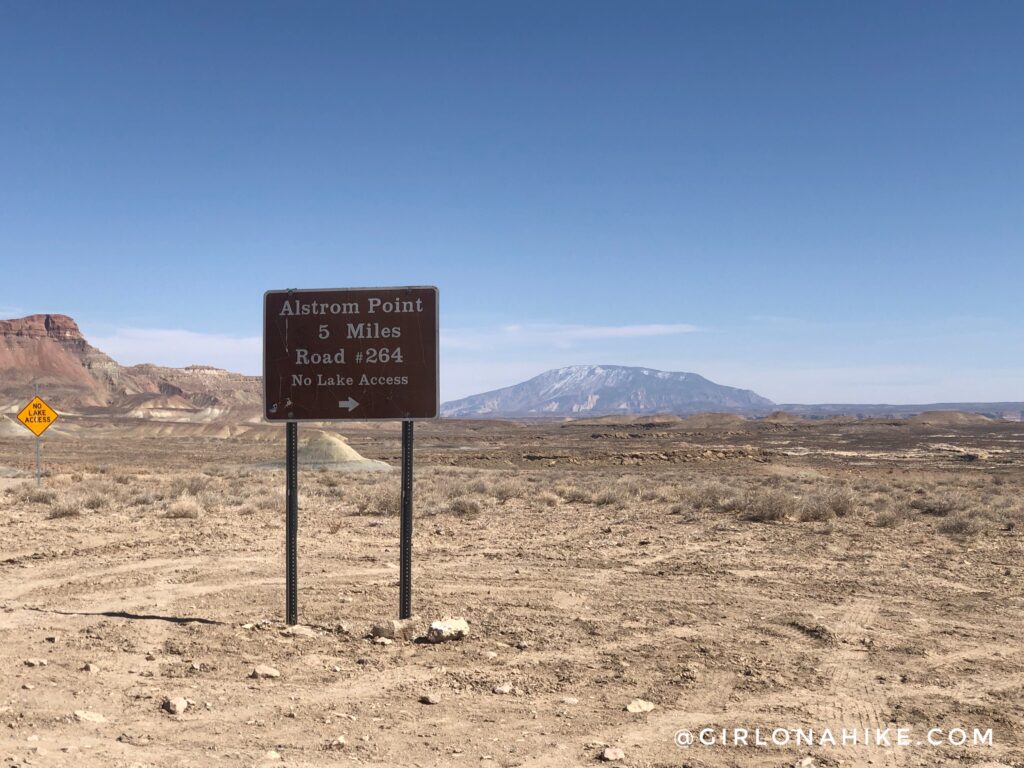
[{"x": 38, "y": 417}]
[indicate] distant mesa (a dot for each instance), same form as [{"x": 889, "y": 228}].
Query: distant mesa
[
  {"x": 597, "y": 390},
  {"x": 51, "y": 352}
]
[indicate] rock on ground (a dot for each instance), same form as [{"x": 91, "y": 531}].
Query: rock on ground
[
  {"x": 262, "y": 671},
  {"x": 451, "y": 628},
  {"x": 613, "y": 754},
  {"x": 175, "y": 705},
  {"x": 398, "y": 629},
  {"x": 85, "y": 716},
  {"x": 298, "y": 630},
  {"x": 639, "y": 705}
]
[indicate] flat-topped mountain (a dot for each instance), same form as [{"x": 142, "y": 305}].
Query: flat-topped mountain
[
  {"x": 608, "y": 389},
  {"x": 51, "y": 352},
  {"x": 74, "y": 376}
]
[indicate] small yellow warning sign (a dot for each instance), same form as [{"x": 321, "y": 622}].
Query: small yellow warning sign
[{"x": 37, "y": 416}]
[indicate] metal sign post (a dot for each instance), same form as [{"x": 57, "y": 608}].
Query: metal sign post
[
  {"x": 405, "y": 532},
  {"x": 291, "y": 534},
  {"x": 38, "y": 417},
  {"x": 349, "y": 354}
]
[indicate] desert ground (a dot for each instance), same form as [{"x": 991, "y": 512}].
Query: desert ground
[{"x": 780, "y": 573}]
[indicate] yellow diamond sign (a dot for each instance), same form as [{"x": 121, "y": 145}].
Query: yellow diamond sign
[{"x": 37, "y": 416}]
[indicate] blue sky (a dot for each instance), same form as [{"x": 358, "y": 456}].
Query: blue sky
[{"x": 820, "y": 201}]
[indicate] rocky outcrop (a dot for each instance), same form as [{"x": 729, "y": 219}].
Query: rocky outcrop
[{"x": 49, "y": 351}]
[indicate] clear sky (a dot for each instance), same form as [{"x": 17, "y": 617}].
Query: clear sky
[{"x": 821, "y": 201}]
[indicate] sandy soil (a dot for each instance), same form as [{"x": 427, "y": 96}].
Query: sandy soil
[{"x": 818, "y": 576}]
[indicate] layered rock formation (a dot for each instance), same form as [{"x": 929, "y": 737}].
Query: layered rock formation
[{"x": 49, "y": 351}]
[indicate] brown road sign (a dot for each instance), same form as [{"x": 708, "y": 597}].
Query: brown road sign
[
  {"x": 37, "y": 416},
  {"x": 350, "y": 354}
]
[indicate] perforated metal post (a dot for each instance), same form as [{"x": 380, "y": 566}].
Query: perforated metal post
[
  {"x": 39, "y": 458},
  {"x": 291, "y": 546},
  {"x": 405, "y": 533}
]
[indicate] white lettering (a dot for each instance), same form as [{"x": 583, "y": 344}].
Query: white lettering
[
  {"x": 397, "y": 306},
  {"x": 305, "y": 357},
  {"x": 293, "y": 307}
]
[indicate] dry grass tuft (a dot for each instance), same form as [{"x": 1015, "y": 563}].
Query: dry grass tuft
[
  {"x": 34, "y": 495},
  {"x": 573, "y": 494},
  {"x": 940, "y": 505},
  {"x": 888, "y": 518},
  {"x": 465, "y": 507},
  {"x": 767, "y": 505},
  {"x": 185, "y": 507},
  {"x": 827, "y": 504},
  {"x": 64, "y": 508},
  {"x": 94, "y": 500},
  {"x": 960, "y": 525},
  {"x": 507, "y": 490},
  {"x": 382, "y": 500},
  {"x": 610, "y": 497}
]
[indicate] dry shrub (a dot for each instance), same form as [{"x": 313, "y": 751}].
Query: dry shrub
[
  {"x": 767, "y": 505},
  {"x": 574, "y": 494},
  {"x": 661, "y": 493},
  {"x": 185, "y": 508},
  {"x": 827, "y": 504},
  {"x": 610, "y": 497},
  {"x": 939, "y": 505},
  {"x": 464, "y": 507},
  {"x": 507, "y": 490},
  {"x": 479, "y": 486},
  {"x": 94, "y": 501},
  {"x": 710, "y": 496},
  {"x": 269, "y": 501},
  {"x": 888, "y": 518},
  {"x": 548, "y": 499},
  {"x": 192, "y": 485},
  {"x": 38, "y": 495},
  {"x": 631, "y": 489},
  {"x": 1012, "y": 518},
  {"x": 64, "y": 508},
  {"x": 814, "y": 509},
  {"x": 146, "y": 499},
  {"x": 960, "y": 525},
  {"x": 382, "y": 500}
]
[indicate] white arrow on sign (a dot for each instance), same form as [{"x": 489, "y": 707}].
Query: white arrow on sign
[{"x": 350, "y": 404}]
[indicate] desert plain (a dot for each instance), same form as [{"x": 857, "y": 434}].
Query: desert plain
[{"x": 725, "y": 573}]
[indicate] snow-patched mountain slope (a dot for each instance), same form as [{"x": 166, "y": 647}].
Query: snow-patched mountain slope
[{"x": 608, "y": 389}]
